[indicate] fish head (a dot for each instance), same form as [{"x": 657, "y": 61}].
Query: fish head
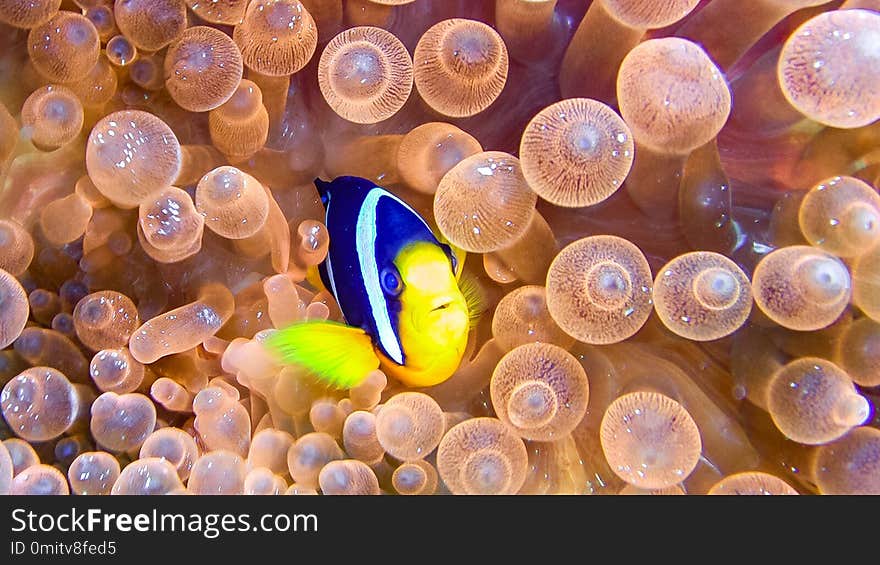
[{"x": 433, "y": 321}]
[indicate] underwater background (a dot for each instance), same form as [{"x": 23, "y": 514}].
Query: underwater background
[{"x": 662, "y": 217}]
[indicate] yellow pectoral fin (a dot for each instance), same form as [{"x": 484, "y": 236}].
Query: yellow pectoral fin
[{"x": 337, "y": 354}]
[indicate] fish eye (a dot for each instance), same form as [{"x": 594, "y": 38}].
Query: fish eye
[{"x": 391, "y": 282}]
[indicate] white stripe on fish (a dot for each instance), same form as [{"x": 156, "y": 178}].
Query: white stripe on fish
[{"x": 366, "y": 250}]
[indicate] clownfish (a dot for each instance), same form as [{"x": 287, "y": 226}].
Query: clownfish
[{"x": 406, "y": 307}]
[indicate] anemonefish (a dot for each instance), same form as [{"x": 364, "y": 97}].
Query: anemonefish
[{"x": 405, "y": 305}]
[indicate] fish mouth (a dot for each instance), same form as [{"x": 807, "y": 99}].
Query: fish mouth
[{"x": 441, "y": 310}]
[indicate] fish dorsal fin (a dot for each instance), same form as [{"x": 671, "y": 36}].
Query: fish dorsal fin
[
  {"x": 474, "y": 297},
  {"x": 335, "y": 353},
  {"x": 323, "y": 190}
]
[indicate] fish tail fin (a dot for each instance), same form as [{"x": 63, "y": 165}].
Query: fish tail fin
[
  {"x": 337, "y": 354},
  {"x": 474, "y": 297}
]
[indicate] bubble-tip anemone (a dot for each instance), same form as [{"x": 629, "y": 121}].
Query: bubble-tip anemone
[
  {"x": 365, "y": 74},
  {"x": 483, "y": 203},
  {"x": 130, "y": 155},
  {"x": 650, "y": 440},
  {"x": 202, "y": 69},
  {"x": 540, "y": 391},
  {"x": 576, "y": 152},
  {"x": 482, "y": 456},
  {"x": 599, "y": 289},
  {"x": 460, "y": 67},
  {"x": 829, "y": 67},
  {"x": 801, "y": 288},
  {"x": 702, "y": 296},
  {"x": 276, "y": 37}
]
